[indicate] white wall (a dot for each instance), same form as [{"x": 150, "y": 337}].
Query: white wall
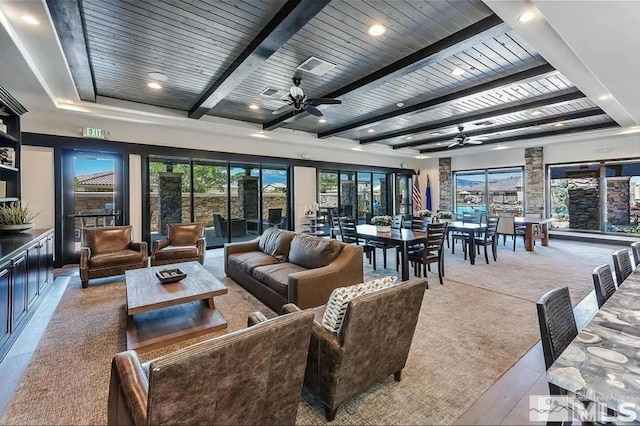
[
  {"x": 37, "y": 183},
  {"x": 304, "y": 179},
  {"x": 135, "y": 195}
]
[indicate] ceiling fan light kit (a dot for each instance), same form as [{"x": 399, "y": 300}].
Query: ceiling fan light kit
[
  {"x": 298, "y": 101},
  {"x": 462, "y": 139}
]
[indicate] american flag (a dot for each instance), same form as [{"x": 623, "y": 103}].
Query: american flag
[{"x": 416, "y": 195}]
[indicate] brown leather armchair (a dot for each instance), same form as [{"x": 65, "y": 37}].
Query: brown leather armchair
[
  {"x": 110, "y": 251},
  {"x": 251, "y": 376},
  {"x": 373, "y": 343},
  {"x": 184, "y": 243}
]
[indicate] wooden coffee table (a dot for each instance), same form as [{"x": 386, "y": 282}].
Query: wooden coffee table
[{"x": 161, "y": 314}]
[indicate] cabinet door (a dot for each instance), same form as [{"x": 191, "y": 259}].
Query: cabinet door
[
  {"x": 5, "y": 317},
  {"x": 48, "y": 259},
  {"x": 19, "y": 290},
  {"x": 33, "y": 262}
]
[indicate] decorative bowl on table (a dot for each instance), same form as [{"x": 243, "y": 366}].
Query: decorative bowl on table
[
  {"x": 167, "y": 276},
  {"x": 15, "y": 228}
]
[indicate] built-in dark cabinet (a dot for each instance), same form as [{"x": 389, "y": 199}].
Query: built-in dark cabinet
[
  {"x": 18, "y": 290},
  {"x": 26, "y": 272},
  {"x": 5, "y": 303}
]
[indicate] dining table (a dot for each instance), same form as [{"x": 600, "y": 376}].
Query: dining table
[
  {"x": 472, "y": 230},
  {"x": 602, "y": 363},
  {"x": 403, "y": 238},
  {"x": 530, "y": 233}
]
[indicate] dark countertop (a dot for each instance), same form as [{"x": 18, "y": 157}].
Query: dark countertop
[{"x": 11, "y": 244}]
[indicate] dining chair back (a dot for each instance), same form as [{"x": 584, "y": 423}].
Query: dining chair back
[
  {"x": 557, "y": 326},
  {"x": 396, "y": 221},
  {"x": 603, "y": 283},
  {"x": 419, "y": 223},
  {"x": 635, "y": 248},
  {"x": 349, "y": 234},
  {"x": 622, "y": 265},
  {"x": 334, "y": 222},
  {"x": 432, "y": 250},
  {"x": 507, "y": 226}
]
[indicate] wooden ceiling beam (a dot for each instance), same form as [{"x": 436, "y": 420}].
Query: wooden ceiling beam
[
  {"x": 537, "y": 102},
  {"x": 488, "y": 28},
  {"x": 558, "y": 118},
  {"x": 285, "y": 24},
  {"x": 532, "y": 73},
  {"x": 68, "y": 22},
  {"x": 533, "y": 135}
]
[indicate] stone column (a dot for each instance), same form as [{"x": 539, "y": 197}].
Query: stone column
[
  {"x": 169, "y": 199},
  {"x": 248, "y": 197},
  {"x": 618, "y": 198},
  {"x": 348, "y": 197},
  {"x": 584, "y": 201},
  {"x": 534, "y": 179},
  {"x": 446, "y": 187}
]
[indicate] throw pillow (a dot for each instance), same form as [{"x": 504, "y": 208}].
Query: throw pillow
[
  {"x": 313, "y": 252},
  {"x": 275, "y": 242},
  {"x": 340, "y": 297}
]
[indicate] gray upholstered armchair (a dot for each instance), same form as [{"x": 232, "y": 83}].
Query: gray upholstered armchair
[
  {"x": 110, "y": 251},
  {"x": 251, "y": 376},
  {"x": 184, "y": 243},
  {"x": 373, "y": 343}
]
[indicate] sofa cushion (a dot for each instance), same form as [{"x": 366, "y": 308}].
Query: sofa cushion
[
  {"x": 340, "y": 297},
  {"x": 176, "y": 252},
  {"x": 313, "y": 252},
  {"x": 276, "y": 242},
  {"x": 249, "y": 260},
  {"x": 276, "y": 276},
  {"x": 115, "y": 258}
]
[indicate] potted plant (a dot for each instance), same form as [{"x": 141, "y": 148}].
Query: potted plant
[
  {"x": 16, "y": 218},
  {"x": 382, "y": 223},
  {"x": 444, "y": 216}
]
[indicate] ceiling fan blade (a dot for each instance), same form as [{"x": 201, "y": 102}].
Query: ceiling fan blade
[
  {"x": 324, "y": 101},
  {"x": 473, "y": 142},
  {"x": 312, "y": 110},
  {"x": 452, "y": 144},
  {"x": 282, "y": 109}
]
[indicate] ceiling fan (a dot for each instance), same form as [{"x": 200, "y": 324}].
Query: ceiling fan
[
  {"x": 299, "y": 102},
  {"x": 461, "y": 139}
]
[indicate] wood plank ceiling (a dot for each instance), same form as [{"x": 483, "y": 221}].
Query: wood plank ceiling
[{"x": 396, "y": 89}]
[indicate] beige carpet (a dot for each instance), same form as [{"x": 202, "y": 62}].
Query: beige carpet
[{"x": 467, "y": 337}]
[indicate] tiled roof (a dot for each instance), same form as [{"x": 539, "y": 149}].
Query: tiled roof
[{"x": 100, "y": 178}]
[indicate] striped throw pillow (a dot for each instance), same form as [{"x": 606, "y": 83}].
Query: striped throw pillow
[{"x": 340, "y": 297}]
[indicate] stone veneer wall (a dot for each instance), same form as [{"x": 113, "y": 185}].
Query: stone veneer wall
[
  {"x": 618, "y": 194},
  {"x": 169, "y": 200},
  {"x": 446, "y": 183},
  {"x": 534, "y": 179},
  {"x": 249, "y": 193},
  {"x": 584, "y": 201}
]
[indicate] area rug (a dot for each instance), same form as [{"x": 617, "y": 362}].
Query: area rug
[{"x": 466, "y": 338}]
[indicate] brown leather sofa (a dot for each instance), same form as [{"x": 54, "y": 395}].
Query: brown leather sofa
[
  {"x": 283, "y": 267},
  {"x": 110, "y": 251},
  {"x": 373, "y": 343},
  {"x": 184, "y": 243},
  {"x": 217, "y": 381}
]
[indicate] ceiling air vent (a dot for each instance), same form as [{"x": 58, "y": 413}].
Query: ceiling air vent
[
  {"x": 484, "y": 123},
  {"x": 269, "y": 92},
  {"x": 315, "y": 66}
]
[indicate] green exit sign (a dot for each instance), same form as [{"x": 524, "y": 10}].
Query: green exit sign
[{"x": 93, "y": 132}]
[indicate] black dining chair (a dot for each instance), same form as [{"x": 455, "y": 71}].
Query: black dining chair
[
  {"x": 349, "y": 234},
  {"x": 431, "y": 251},
  {"x": 635, "y": 248},
  {"x": 489, "y": 238},
  {"x": 622, "y": 265},
  {"x": 396, "y": 224},
  {"x": 603, "y": 283}
]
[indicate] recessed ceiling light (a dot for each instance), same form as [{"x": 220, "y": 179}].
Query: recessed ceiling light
[
  {"x": 604, "y": 97},
  {"x": 158, "y": 76},
  {"x": 400, "y": 104},
  {"x": 370, "y": 130},
  {"x": 356, "y": 148},
  {"x": 439, "y": 143},
  {"x": 500, "y": 147},
  {"x": 420, "y": 157},
  {"x": 536, "y": 113},
  {"x": 558, "y": 125},
  {"x": 30, "y": 20},
  {"x": 457, "y": 72},
  {"x": 254, "y": 106},
  {"x": 525, "y": 17},
  {"x": 322, "y": 120},
  {"x": 409, "y": 138},
  {"x": 154, "y": 85},
  {"x": 376, "y": 30}
]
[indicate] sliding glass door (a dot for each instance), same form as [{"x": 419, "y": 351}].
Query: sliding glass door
[
  {"x": 244, "y": 219},
  {"x": 210, "y": 200},
  {"x": 170, "y": 194}
]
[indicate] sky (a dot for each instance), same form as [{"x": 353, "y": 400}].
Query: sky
[{"x": 86, "y": 166}]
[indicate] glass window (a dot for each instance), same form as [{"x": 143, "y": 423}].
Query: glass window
[
  {"x": 211, "y": 192},
  {"x": 574, "y": 197},
  {"x": 470, "y": 192},
  {"x": 403, "y": 197},
  {"x": 170, "y": 187},
  {"x": 494, "y": 191},
  {"x": 623, "y": 197},
  {"x": 274, "y": 198},
  {"x": 380, "y": 191},
  {"x": 364, "y": 198},
  {"x": 348, "y": 200},
  {"x": 505, "y": 191},
  {"x": 244, "y": 218}
]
